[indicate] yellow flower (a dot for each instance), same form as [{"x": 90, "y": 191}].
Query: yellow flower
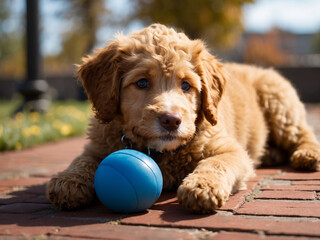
[
  {"x": 34, "y": 116},
  {"x": 35, "y": 130},
  {"x": 57, "y": 124},
  {"x": 49, "y": 115},
  {"x": 80, "y": 116},
  {"x": 26, "y": 132},
  {"x": 19, "y": 116},
  {"x": 32, "y": 130},
  {"x": 66, "y": 129}
]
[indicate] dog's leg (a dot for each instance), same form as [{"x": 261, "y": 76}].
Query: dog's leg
[
  {"x": 208, "y": 187},
  {"x": 286, "y": 117},
  {"x": 74, "y": 187}
]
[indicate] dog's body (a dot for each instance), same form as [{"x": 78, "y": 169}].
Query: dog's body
[{"x": 207, "y": 125}]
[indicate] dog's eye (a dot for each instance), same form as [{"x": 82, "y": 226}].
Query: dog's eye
[
  {"x": 185, "y": 86},
  {"x": 143, "y": 83}
]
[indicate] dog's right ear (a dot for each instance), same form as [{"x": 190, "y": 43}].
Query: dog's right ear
[{"x": 101, "y": 80}]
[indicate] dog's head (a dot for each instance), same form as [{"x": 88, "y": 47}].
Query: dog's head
[{"x": 159, "y": 82}]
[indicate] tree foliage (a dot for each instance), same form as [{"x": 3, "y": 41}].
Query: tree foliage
[
  {"x": 12, "y": 50},
  {"x": 83, "y": 18},
  {"x": 265, "y": 50},
  {"x": 86, "y": 17},
  {"x": 219, "y": 22}
]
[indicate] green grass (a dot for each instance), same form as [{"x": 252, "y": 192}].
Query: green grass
[{"x": 62, "y": 120}]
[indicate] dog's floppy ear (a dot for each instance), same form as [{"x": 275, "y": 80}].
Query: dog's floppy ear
[
  {"x": 213, "y": 81},
  {"x": 101, "y": 80}
]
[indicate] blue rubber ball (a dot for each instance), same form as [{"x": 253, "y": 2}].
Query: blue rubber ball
[{"x": 128, "y": 181}]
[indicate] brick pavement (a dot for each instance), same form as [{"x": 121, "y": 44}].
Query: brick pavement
[{"x": 279, "y": 204}]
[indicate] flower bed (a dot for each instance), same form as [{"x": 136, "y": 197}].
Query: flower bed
[{"x": 62, "y": 120}]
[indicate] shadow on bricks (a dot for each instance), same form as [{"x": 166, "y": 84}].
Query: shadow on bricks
[
  {"x": 172, "y": 211},
  {"x": 262, "y": 207},
  {"x": 29, "y": 207}
]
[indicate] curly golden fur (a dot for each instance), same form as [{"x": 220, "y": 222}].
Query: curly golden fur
[{"x": 207, "y": 123}]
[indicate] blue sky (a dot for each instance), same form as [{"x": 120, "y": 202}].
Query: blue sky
[{"x": 299, "y": 16}]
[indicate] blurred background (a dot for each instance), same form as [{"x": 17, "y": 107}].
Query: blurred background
[
  {"x": 284, "y": 34},
  {"x": 278, "y": 33}
]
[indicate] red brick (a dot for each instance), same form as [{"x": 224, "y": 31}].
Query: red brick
[
  {"x": 58, "y": 222},
  {"x": 24, "y": 208},
  {"x": 235, "y": 236},
  {"x": 167, "y": 201},
  {"x": 15, "y": 198},
  {"x": 109, "y": 231},
  {"x": 268, "y": 171},
  {"x": 34, "y": 194},
  {"x": 214, "y": 222},
  {"x": 48, "y": 158},
  {"x": 291, "y": 195},
  {"x": 299, "y": 176},
  {"x": 257, "y": 178},
  {"x": 25, "y": 231},
  {"x": 22, "y": 182},
  {"x": 293, "y": 187},
  {"x": 37, "y": 189},
  {"x": 12, "y": 224},
  {"x": 4, "y": 190},
  {"x": 8, "y": 218},
  {"x": 32, "y": 225},
  {"x": 19, "y": 225},
  {"x": 235, "y": 201},
  {"x": 38, "y": 199},
  {"x": 252, "y": 236},
  {"x": 284, "y": 238},
  {"x": 307, "y": 183},
  {"x": 97, "y": 212},
  {"x": 276, "y": 208},
  {"x": 252, "y": 184}
]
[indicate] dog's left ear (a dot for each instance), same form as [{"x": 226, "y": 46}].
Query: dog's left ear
[{"x": 213, "y": 80}]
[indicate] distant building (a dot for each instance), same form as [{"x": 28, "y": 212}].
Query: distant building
[{"x": 276, "y": 47}]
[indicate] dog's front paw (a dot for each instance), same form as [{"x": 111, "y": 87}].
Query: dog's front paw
[
  {"x": 203, "y": 193},
  {"x": 70, "y": 191},
  {"x": 306, "y": 157}
]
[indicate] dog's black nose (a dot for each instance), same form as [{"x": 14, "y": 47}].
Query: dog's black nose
[{"x": 170, "y": 122}]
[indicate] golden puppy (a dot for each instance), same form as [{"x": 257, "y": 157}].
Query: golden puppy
[{"x": 205, "y": 123}]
